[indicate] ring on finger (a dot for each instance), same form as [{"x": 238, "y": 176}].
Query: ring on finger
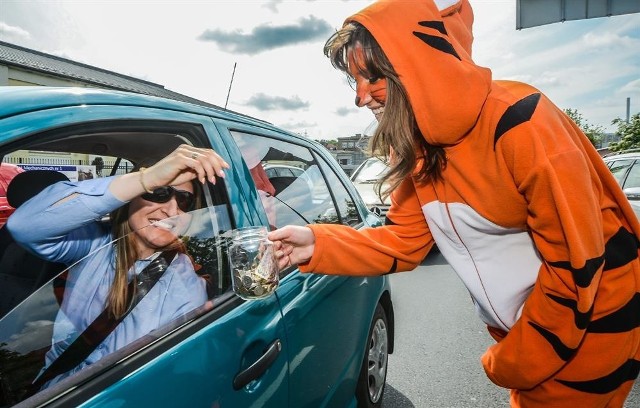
[{"x": 194, "y": 155}]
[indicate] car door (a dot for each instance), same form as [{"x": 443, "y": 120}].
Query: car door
[
  {"x": 326, "y": 317},
  {"x": 227, "y": 353}
]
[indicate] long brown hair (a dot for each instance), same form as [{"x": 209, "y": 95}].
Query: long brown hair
[
  {"x": 126, "y": 253},
  {"x": 398, "y": 123}
]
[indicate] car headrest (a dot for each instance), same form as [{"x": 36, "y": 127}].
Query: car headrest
[{"x": 29, "y": 183}]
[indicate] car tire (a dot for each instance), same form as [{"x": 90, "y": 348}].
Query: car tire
[{"x": 373, "y": 374}]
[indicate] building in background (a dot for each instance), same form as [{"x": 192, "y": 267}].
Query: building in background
[
  {"x": 21, "y": 66},
  {"x": 351, "y": 151}
]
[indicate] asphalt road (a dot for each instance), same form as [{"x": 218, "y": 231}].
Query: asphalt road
[{"x": 438, "y": 344}]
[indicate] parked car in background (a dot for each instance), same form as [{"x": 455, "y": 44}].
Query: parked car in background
[
  {"x": 365, "y": 178},
  {"x": 625, "y": 166},
  {"x": 317, "y": 341},
  {"x": 7, "y": 173}
]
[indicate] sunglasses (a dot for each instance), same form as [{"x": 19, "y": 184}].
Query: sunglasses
[{"x": 186, "y": 200}]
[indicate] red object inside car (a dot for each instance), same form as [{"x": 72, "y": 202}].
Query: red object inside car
[{"x": 7, "y": 173}]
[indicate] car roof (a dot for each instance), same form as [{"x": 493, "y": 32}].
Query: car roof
[
  {"x": 23, "y": 99},
  {"x": 18, "y": 100},
  {"x": 625, "y": 154}
]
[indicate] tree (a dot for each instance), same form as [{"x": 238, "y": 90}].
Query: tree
[
  {"x": 329, "y": 144},
  {"x": 629, "y": 133},
  {"x": 593, "y": 132},
  {"x": 326, "y": 141}
]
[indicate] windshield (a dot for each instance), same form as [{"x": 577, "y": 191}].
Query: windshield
[{"x": 371, "y": 171}]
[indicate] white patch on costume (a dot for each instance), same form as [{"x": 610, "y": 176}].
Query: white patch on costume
[{"x": 498, "y": 265}]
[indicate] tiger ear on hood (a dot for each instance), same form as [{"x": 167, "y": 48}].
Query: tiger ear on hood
[{"x": 457, "y": 16}]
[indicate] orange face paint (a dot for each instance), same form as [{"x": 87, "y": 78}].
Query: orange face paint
[{"x": 367, "y": 86}]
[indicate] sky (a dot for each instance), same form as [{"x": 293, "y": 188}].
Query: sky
[{"x": 281, "y": 74}]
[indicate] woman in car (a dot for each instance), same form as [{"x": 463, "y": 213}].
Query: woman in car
[
  {"x": 148, "y": 210},
  {"x": 515, "y": 196}
]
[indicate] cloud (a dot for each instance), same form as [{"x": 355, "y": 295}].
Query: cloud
[
  {"x": 265, "y": 102},
  {"x": 294, "y": 126},
  {"x": 344, "y": 111},
  {"x": 35, "y": 335},
  {"x": 633, "y": 86},
  {"x": 273, "y": 4},
  {"x": 13, "y": 32},
  {"x": 266, "y": 37},
  {"x": 548, "y": 78},
  {"x": 606, "y": 40}
]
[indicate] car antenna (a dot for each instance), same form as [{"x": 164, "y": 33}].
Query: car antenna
[{"x": 230, "y": 83}]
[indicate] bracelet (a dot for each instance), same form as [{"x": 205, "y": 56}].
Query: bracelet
[{"x": 141, "y": 172}]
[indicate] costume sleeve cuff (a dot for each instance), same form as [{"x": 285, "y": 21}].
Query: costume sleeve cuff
[{"x": 314, "y": 262}]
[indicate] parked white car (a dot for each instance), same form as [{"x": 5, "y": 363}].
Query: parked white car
[
  {"x": 365, "y": 178},
  {"x": 625, "y": 166}
]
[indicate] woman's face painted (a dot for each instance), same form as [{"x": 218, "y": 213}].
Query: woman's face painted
[{"x": 370, "y": 91}]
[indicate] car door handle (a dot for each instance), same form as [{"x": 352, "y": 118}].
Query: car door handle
[{"x": 255, "y": 370}]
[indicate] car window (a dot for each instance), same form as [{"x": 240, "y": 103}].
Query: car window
[
  {"x": 633, "y": 179},
  {"x": 346, "y": 206},
  {"x": 619, "y": 169},
  {"x": 75, "y": 166},
  {"x": 50, "y": 301},
  {"x": 294, "y": 187}
]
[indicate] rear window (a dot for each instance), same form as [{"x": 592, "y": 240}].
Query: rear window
[{"x": 619, "y": 169}]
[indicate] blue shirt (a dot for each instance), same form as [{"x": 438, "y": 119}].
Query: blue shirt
[{"x": 70, "y": 233}]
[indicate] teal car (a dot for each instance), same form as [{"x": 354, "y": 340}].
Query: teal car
[{"x": 316, "y": 341}]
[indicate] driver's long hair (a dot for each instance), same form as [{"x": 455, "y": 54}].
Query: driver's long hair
[
  {"x": 398, "y": 123},
  {"x": 126, "y": 254}
]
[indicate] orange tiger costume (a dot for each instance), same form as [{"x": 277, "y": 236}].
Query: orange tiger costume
[{"x": 526, "y": 213}]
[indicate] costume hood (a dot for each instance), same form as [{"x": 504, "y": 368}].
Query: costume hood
[{"x": 432, "y": 56}]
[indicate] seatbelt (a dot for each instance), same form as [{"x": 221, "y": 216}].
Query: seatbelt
[{"x": 105, "y": 323}]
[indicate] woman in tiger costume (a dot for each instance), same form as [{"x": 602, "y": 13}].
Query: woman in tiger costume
[{"x": 512, "y": 192}]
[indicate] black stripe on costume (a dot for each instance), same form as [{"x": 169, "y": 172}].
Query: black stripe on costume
[
  {"x": 621, "y": 249},
  {"x": 394, "y": 267},
  {"x": 582, "y": 276},
  {"x": 626, "y": 372},
  {"x": 516, "y": 114},
  {"x": 561, "y": 350},
  {"x": 436, "y": 25},
  {"x": 622, "y": 320},
  {"x": 581, "y": 319},
  {"x": 438, "y": 43}
]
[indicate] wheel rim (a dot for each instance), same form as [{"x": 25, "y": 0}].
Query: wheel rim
[{"x": 377, "y": 360}]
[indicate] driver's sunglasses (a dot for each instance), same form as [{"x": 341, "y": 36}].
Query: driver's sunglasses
[{"x": 186, "y": 200}]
